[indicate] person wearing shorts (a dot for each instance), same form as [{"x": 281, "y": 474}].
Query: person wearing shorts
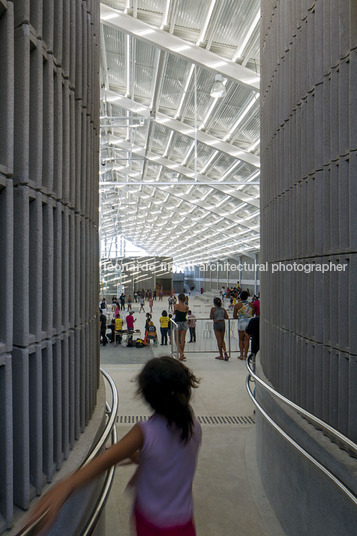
[
  {"x": 243, "y": 311},
  {"x": 180, "y": 311},
  {"x": 218, "y": 314}
]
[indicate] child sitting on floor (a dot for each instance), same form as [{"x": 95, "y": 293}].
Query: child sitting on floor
[{"x": 151, "y": 333}]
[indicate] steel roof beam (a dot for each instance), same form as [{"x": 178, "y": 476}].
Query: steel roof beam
[
  {"x": 173, "y": 183},
  {"x": 159, "y": 160},
  {"x": 103, "y": 57},
  {"x": 177, "y": 46},
  {"x": 183, "y": 129},
  {"x": 208, "y": 208},
  {"x": 209, "y": 140},
  {"x": 187, "y": 249}
]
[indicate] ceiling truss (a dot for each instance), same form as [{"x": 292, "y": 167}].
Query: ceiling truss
[{"x": 179, "y": 172}]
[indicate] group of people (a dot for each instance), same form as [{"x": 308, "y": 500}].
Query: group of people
[
  {"x": 116, "y": 323},
  {"x": 180, "y": 315},
  {"x": 183, "y": 318},
  {"x": 247, "y": 313},
  {"x": 138, "y": 295},
  {"x": 165, "y": 328}
]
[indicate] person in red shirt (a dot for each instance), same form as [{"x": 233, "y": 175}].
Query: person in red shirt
[
  {"x": 256, "y": 305},
  {"x": 130, "y": 322}
]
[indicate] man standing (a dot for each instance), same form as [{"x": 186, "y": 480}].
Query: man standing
[
  {"x": 130, "y": 321},
  {"x": 103, "y": 327},
  {"x": 103, "y": 306},
  {"x": 191, "y": 320},
  {"x": 253, "y": 331}
]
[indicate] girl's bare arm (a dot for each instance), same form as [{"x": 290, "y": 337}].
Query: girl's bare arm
[{"x": 49, "y": 506}]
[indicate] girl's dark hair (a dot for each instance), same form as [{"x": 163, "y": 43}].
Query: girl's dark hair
[
  {"x": 217, "y": 302},
  {"x": 243, "y": 295},
  {"x": 181, "y": 297},
  {"x": 164, "y": 313},
  {"x": 166, "y": 384}
]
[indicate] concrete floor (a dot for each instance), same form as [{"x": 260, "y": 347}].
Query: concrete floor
[{"x": 229, "y": 498}]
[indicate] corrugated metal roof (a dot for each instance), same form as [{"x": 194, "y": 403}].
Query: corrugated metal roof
[{"x": 144, "y": 86}]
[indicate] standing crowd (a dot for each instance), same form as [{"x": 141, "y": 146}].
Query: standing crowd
[{"x": 242, "y": 306}]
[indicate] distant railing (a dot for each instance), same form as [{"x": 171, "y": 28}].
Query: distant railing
[{"x": 205, "y": 340}]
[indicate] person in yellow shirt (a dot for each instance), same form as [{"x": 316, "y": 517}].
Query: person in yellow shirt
[
  {"x": 118, "y": 324},
  {"x": 164, "y": 327},
  {"x": 233, "y": 301},
  {"x": 118, "y": 328}
]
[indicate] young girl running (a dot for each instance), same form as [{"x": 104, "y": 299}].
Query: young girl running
[{"x": 166, "y": 447}]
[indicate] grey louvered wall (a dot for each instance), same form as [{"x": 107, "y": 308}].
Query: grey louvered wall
[
  {"x": 308, "y": 202},
  {"x": 49, "y": 153}
]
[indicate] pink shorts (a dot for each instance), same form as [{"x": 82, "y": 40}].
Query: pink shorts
[{"x": 146, "y": 528}]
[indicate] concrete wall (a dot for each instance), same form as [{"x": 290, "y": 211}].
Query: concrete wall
[
  {"x": 305, "y": 500},
  {"x": 49, "y": 152},
  {"x": 308, "y": 217}
]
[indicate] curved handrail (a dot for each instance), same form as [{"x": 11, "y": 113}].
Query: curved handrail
[
  {"x": 174, "y": 327},
  {"x": 342, "y": 438},
  {"x": 97, "y": 512},
  {"x": 317, "y": 464},
  {"x": 111, "y": 421},
  {"x": 110, "y": 429}
]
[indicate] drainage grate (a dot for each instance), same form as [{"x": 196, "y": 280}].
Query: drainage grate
[
  {"x": 226, "y": 420},
  {"x": 232, "y": 420},
  {"x": 131, "y": 419}
]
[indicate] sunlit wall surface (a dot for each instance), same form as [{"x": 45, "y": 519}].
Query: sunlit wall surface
[{"x": 49, "y": 97}]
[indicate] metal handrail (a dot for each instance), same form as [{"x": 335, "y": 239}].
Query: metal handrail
[
  {"x": 110, "y": 429},
  {"x": 301, "y": 410},
  {"x": 111, "y": 421},
  {"x": 174, "y": 327},
  {"x": 97, "y": 512},
  {"x": 317, "y": 464}
]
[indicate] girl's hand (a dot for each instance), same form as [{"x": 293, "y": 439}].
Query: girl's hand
[{"x": 48, "y": 507}]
